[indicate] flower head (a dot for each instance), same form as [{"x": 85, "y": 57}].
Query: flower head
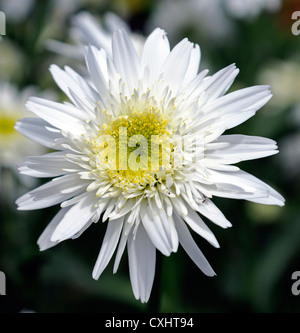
[
  {"x": 141, "y": 147},
  {"x": 13, "y": 146},
  {"x": 87, "y": 30}
]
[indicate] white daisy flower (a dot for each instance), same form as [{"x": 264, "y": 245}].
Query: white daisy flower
[
  {"x": 13, "y": 146},
  {"x": 206, "y": 17},
  {"x": 87, "y": 30},
  {"x": 132, "y": 101},
  {"x": 249, "y": 9}
]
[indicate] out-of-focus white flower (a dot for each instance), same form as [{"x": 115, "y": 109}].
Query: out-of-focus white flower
[
  {"x": 206, "y": 17},
  {"x": 150, "y": 196},
  {"x": 12, "y": 60},
  {"x": 13, "y": 146},
  {"x": 16, "y": 10},
  {"x": 249, "y": 9},
  {"x": 283, "y": 76},
  {"x": 62, "y": 9},
  {"x": 86, "y": 30},
  {"x": 289, "y": 158},
  {"x": 290, "y": 146}
]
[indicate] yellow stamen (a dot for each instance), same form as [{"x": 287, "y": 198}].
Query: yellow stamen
[{"x": 134, "y": 147}]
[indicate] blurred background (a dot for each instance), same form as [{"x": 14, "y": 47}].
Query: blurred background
[{"x": 258, "y": 255}]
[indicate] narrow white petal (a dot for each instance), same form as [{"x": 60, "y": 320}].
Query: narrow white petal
[
  {"x": 241, "y": 185},
  {"x": 141, "y": 257},
  {"x": 90, "y": 92},
  {"x": 96, "y": 66},
  {"x": 218, "y": 84},
  {"x": 193, "y": 67},
  {"x": 251, "y": 98},
  {"x": 196, "y": 223},
  {"x": 108, "y": 247},
  {"x": 195, "y": 87},
  {"x": 49, "y": 194},
  {"x": 69, "y": 82},
  {"x": 90, "y": 31},
  {"x": 67, "y": 50},
  {"x": 155, "y": 51},
  {"x": 24, "y": 170},
  {"x": 212, "y": 212},
  {"x": 155, "y": 229},
  {"x": 125, "y": 59},
  {"x": 191, "y": 248},
  {"x": 123, "y": 240},
  {"x": 114, "y": 22},
  {"x": 58, "y": 115},
  {"x": 75, "y": 219},
  {"x": 178, "y": 59},
  {"x": 44, "y": 240},
  {"x": 49, "y": 165},
  {"x": 37, "y": 130},
  {"x": 240, "y": 148}
]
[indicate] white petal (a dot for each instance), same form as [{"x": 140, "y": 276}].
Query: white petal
[
  {"x": 141, "y": 257},
  {"x": 240, "y": 148},
  {"x": 53, "y": 192},
  {"x": 169, "y": 227},
  {"x": 75, "y": 219},
  {"x": 58, "y": 115},
  {"x": 90, "y": 31},
  {"x": 211, "y": 211},
  {"x": 193, "y": 66},
  {"x": 229, "y": 111},
  {"x": 89, "y": 91},
  {"x": 108, "y": 247},
  {"x": 44, "y": 241},
  {"x": 123, "y": 240},
  {"x": 49, "y": 165},
  {"x": 96, "y": 64},
  {"x": 126, "y": 60},
  {"x": 155, "y": 51},
  {"x": 196, "y": 223},
  {"x": 251, "y": 98},
  {"x": 219, "y": 83},
  {"x": 176, "y": 64},
  {"x": 73, "y": 85},
  {"x": 191, "y": 248},
  {"x": 67, "y": 50},
  {"x": 114, "y": 22},
  {"x": 241, "y": 185},
  {"x": 155, "y": 228},
  {"x": 37, "y": 131}
]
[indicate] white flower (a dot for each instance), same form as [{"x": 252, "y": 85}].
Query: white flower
[
  {"x": 14, "y": 12},
  {"x": 206, "y": 17},
  {"x": 12, "y": 61},
  {"x": 159, "y": 93},
  {"x": 13, "y": 146},
  {"x": 87, "y": 30},
  {"x": 249, "y": 9},
  {"x": 281, "y": 75}
]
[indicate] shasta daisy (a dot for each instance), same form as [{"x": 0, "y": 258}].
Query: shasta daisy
[{"x": 129, "y": 109}]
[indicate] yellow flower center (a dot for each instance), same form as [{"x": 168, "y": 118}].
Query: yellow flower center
[
  {"x": 133, "y": 148},
  {"x": 7, "y": 124}
]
